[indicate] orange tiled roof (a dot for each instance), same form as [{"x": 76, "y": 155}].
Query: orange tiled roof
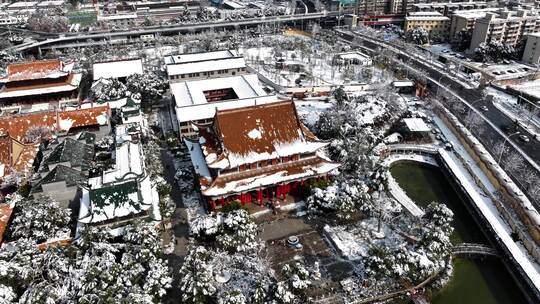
[
  {"x": 18, "y": 126},
  {"x": 33, "y": 70},
  {"x": 5, "y": 214},
  {"x": 15, "y": 128},
  {"x": 277, "y": 123},
  {"x": 60, "y": 82}
]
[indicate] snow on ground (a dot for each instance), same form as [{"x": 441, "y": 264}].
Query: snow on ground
[
  {"x": 310, "y": 111},
  {"x": 353, "y": 242},
  {"x": 529, "y": 87}
]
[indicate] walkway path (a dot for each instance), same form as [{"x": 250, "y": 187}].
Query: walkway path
[
  {"x": 397, "y": 192},
  {"x": 282, "y": 228}
]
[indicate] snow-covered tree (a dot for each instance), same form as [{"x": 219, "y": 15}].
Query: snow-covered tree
[
  {"x": 295, "y": 281},
  {"x": 47, "y": 21},
  {"x": 238, "y": 232},
  {"x": 111, "y": 89},
  {"x": 233, "y": 231},
  {"x": 36, "y": 133},
  {"x": 419, "y": 35},
  {"x": 346, "y": 198},
  {"x": 197, "y": 282},
  {"x": 494, "y": 51},
  {"x": 95, "y": 268},
  {"x": 149, "y": 86},
  {"x": 39, "y": 219}
]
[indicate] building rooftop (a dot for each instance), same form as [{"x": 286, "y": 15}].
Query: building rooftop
[
  {"x": 251, "y": 134},
  {"x": 193, "y": 92},
  {"x": 117, "y": 69},
  {"x": 205, "y": 56},
  {"x": 61, "y": 173},
  {"x": 77, "y": 153},
  {"x": 38, "y": 69},
  {"x": 5, "y": 215},
  {"x": 206, "y": 66},
  {"x": 70, "y": 83}
]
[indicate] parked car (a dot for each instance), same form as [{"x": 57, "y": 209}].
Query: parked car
[
  {"x": 524, "y": 138},
  {"x": 484, "y": 108}
]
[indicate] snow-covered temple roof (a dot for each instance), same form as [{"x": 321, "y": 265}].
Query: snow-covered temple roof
[
  {"x": 70, "y": 83},
  {"x": 116, "y": 201},
  {"x": 5, "y": 214},
  {"x": 18, "y": 156},
  {"x": 251, "y": 134},
  {"x": 17, "y": 125},
  {"x": 117, "y": 69},
  {"x": 33, "y": 70}
]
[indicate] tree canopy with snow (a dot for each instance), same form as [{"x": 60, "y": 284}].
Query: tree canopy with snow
[
  {"x": 97, "y": 267},
  {"x": 39, "y": 219},
  {"x": 232, "y": 231},
  {"x": 419, "y": 35},
  {"x": 110, "y": 89},
  {"x": 149, "y": 86}
]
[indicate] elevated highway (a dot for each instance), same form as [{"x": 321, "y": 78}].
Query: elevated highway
[{"x": 71, "y": 39}]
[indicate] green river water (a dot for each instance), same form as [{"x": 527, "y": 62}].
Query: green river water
[{"x": 474, "y": 281}]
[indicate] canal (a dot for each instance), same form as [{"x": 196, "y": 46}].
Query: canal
[{"x": 474, "y": 281}]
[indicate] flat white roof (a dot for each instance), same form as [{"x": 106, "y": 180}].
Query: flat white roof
[
  {"x": 404, "y": 83},
  {"x": 28, "y": 4},
  {"x": 416, "y": 125},
  {"x": 51, "y": 3},
  {"x": 117, "y": 69},
  {"x": 206, "y": 66},
  {"x": 208, "y": 110},
  {"x": 192, "y": 92},
  {"x": 233, "y": 4},
  {"x": 354, "y": 55},
  {"x": 185, "y": 58}
]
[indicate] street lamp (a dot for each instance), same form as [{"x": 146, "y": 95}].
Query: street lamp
[{"x": 504, "y": 144}]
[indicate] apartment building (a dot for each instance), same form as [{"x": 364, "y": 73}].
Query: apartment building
[
  {"x": 532, "y": 49},
  {"x": 409, "y": 5},
  {"x": 507, "y": 27},
  {"x": 448, "y": 8},
  {"x": 466, "y": 19},
  {"x": 434, "y": 23}
]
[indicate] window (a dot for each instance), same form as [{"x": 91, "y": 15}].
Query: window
[
  {"x": 284, "y": 159},
  {"x": 183, "y": 76},
  {"x": 253, "y": 166},
  {"x": 263, "y": 163},
  {"x": 274, "y": 161},
  {"x": 242, "y": 168}
]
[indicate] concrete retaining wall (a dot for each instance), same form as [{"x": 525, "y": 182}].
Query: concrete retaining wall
[{"x": 520, "y": 219}]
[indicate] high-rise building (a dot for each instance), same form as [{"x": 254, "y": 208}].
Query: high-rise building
[{"x": 508, "y": 27}]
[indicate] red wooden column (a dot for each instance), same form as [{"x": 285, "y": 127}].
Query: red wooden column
[
  {"x": 212, "y": 205},
  {"x": 260, "y": 196}
]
